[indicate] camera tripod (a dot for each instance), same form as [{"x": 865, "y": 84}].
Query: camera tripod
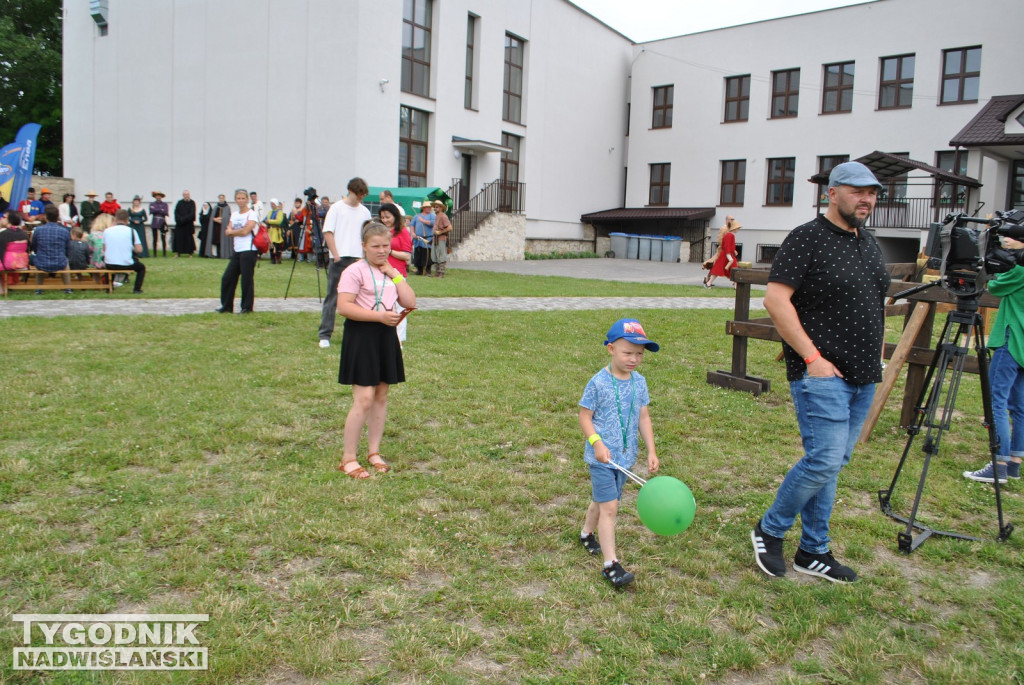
[
  {"x": 319, "y": 248},
  {"x": 934, "y": 410}
]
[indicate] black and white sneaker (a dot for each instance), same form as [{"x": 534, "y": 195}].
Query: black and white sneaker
[
  {"x": 1013, "y": 470},
  {"x": 823, "y": 566},
  {"x": 768, "y": 552},
  {"x": 590, "y": 544},
  {"x": 616, "y": 575}
]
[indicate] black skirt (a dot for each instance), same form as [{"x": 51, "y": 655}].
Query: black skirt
[{"x": 370, "y": 354}]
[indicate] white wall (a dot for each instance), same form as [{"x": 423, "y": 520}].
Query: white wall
[
  {"x": 275, "y": 95},
  {"x": 698, "y": 64}
]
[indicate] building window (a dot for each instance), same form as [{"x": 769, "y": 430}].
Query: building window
[
  {"x": 894, "y": 189},
  {"x": 737, "y": 98},
  {"x": 781, "y": 172},
  {"x": 660, "y": 176},
  {"x": 896, "y": 82},
  {"x": 1017, "y": 186},
  {"x": 961, "y": 73},
  {"x": 766, "y": 253},
  {"x": 662, "y": 107},
  {"x": 412, "y": 148},
  {"x": 510, "y": 199},
  {"x": 785, "y": 93},
  {"x": 512, "y": 103},
  {"x": 953, "y": 161},
  {"x": 734, "y": 180},
  {"x": 416, "y": 22},
  {"x": 837, "y": 93},
  {"x": 825, "y": 166},
  {"x": 470, "y": 61}
]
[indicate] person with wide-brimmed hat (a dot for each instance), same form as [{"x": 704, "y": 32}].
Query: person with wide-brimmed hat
[
  {"x": 725, "y": 259},
  {"x": 159, "y": 210},
  {"x": 442, "y": 227},
  {"x": 89, "y": 210}
]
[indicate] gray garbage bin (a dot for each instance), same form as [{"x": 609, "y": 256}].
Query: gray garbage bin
[
  {"x": 644, "y": 253},
  {"x": 620, "y": 244},
  {"x": 632, "y": 246},
  {"x": 670, "y": 248},
  {"x": 657, "y": 242}
]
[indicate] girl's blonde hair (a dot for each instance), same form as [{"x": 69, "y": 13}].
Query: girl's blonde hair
[
  {"x": 101, "y": 223},
  {"x": 374, "y": 228}
]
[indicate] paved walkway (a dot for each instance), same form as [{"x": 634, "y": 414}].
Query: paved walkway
[{"x": 603, "y": 269}]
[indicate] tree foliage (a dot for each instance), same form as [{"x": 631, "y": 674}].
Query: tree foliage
[{"x": 30, "y": 76}]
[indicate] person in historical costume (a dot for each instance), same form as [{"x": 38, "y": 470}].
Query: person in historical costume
[
  {"x": 184, "y": 240},
  {"x": 137, "y": 218},
  {"x": 222, "y": 218},
  {"x": 159, "y": 210},
  {"x": 89, "y": 210},
  {"x": 205, "y": 219}
]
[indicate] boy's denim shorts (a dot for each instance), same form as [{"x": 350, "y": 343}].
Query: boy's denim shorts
[{"x": 606, "y": 483}]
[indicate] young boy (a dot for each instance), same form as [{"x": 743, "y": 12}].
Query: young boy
[
  {"x": 78, "y": 253},
  {"x": 613, "y": 411}
]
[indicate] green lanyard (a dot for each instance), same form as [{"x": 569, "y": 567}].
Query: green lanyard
[
  {"x": 377, "y": 299},
  {"x": 624, "y": 423}
]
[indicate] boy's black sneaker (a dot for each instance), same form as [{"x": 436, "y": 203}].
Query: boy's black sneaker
[
  {"x": 590, "y": 544},
  {"x": 824, "y": 566},
  {"x": 616, "y": 575},
  {"x": 768, "y": 552}
]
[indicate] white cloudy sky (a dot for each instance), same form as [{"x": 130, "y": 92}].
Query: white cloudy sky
[{"x": 643, "y": 20}]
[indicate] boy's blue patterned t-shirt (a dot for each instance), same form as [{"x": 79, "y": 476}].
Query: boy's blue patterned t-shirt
[{"x": 599, "y": 397}]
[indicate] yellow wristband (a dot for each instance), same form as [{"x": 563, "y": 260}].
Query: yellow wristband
[
  {"x": 398, "y": 279},
  {"x": 593, "y": 438}
]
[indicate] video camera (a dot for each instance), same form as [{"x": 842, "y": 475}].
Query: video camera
[
  {"x": 967, "y": 257},
  {"x": 310, "y": 194}
]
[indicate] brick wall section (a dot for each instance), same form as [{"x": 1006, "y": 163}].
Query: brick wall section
[{"x": 499, "y": 238}]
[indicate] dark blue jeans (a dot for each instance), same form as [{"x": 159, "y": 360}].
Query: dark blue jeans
[
  {"x": 1006, "y": 379},
  {"x": 830, "y": 413}
]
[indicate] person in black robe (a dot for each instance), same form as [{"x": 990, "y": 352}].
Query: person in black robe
[
  {"x": 184, "y": 241},
  {"x": 204, "y": 230}
]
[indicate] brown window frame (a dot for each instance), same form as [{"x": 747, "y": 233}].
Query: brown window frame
[
  {"x": 409, "y": 58},
  {"x": 783, "y": 182},
  {"x": 739, "y": 112},
  {"x": 1016, "y": 191},
  {"x": 825, "y": 165},
  {"x": 960, "y": 77},
  {"x": 467, "y": 99},
  {"x": 662, "y": 184},
  {"x": 665, "y": 108},
  {"x": 959, "y": 167},
  {"x": 511, "y": 95},
  {"x": 790, "y": 93},
  {"x": 737, "y": 183},
  {"x": 407, "y": 176},
  {"x": 840, "y": 90},
  {"x": 899, "y": 83}
]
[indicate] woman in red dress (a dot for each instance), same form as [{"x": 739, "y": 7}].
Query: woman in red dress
[{"x": 725, "y": 260}]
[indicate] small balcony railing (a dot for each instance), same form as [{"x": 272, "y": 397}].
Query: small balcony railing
[{"x": 912, "y": 212}]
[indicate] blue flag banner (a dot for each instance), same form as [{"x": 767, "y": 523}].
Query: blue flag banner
[{"x": 16, "y": 163}]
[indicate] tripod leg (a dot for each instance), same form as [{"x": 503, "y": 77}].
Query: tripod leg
[
  {"x": 288, "y": 287},
  {"x": 984, "y": 357}
]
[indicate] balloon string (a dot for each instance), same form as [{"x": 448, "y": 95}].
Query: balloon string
[{"x": 635, "y": 478}]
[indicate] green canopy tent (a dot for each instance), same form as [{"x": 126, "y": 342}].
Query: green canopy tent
[{"x": 408, "y": 198}]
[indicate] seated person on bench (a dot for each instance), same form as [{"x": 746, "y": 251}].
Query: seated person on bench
[
  {"x": 51, "y": 244},
  {"x": 121, "y": 245}
]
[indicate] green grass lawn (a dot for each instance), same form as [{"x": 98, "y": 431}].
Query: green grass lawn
[
  {"x": 187, "y": 465},
  {"x": 175, "y": 277}
]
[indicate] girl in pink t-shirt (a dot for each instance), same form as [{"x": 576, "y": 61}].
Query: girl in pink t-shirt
[{"x": 371, "y": 356}]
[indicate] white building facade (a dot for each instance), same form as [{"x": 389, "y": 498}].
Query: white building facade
[
  {"x": 758, "y": 109},
  {"x": 277, "y": 95}
]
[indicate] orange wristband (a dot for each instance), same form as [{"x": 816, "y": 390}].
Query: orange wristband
[{"x": 813, "y": 357}]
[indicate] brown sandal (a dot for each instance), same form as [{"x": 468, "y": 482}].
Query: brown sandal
[
  {"x": 359, "y": 473},
  {"x": 380, "y": 465}
]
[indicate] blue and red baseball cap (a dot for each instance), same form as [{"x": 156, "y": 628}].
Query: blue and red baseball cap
[{"x": 631, "y": 331}]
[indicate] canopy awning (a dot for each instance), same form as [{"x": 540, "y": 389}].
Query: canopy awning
[
  {"x": 648, "y": 214},
  {"x": 886, "y": 165},
  {"x": 409, "y": 198},
  {"x": 478, "y": 147}
]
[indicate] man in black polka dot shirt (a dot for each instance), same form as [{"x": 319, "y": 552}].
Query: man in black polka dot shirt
[{"x": 826, "y": 296}]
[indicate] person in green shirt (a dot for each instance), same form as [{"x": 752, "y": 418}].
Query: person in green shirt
[{"x": 1006, "y": 374}]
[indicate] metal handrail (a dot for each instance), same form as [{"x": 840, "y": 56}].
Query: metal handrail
[{"x": 497, "y": 196}]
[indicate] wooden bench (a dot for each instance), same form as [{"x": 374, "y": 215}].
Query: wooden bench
[{"x": 81, "y": 279}]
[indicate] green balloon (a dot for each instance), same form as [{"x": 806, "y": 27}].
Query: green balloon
[{"x": 665, "y": 505}]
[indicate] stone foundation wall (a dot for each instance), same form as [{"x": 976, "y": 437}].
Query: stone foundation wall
[
  {"x": 499, "y": 238},
  {"x": 546, "y": 246}
]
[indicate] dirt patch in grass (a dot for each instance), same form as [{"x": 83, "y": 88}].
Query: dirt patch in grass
[
  {"x": 284, "y": 675},
  {"x": 535, "y": 589}
]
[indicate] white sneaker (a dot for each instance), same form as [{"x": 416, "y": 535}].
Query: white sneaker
[{"x": 325, "y": 343}]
